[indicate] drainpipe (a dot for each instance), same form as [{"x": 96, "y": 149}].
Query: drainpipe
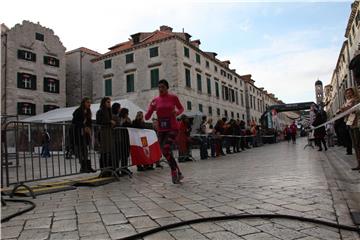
[
  {"x": 351, "y": 80},
  {"x": 337, "y": 88},
  {"x": 5, "y": 73},
  {"x": 81, "y": 75}
]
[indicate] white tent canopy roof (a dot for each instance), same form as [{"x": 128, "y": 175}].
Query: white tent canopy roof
[{"x": 65, "y": 114}]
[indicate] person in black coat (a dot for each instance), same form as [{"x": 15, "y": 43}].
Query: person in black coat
[
  {"x": 320, "y": 132},
  {"x": 343, "y": 136},
  {"x": 106, "y": 123},
  {"x": 81, "y": 134}
]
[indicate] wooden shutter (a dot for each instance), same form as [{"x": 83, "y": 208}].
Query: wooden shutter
[{"x": 20, "y": 83}]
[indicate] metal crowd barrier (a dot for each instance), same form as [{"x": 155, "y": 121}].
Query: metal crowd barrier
[{"x": 23, "y": 159}]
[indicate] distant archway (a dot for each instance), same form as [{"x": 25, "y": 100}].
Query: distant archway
[{"x": 267, "y": 118}]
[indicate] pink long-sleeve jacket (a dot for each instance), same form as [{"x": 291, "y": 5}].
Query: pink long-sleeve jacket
[{"x": 167, "y": 108}]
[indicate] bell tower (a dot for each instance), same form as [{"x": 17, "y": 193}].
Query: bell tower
[{"x": 319, "y": 92}]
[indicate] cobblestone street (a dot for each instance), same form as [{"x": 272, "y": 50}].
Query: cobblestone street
[{"x": 279, "y": 178}]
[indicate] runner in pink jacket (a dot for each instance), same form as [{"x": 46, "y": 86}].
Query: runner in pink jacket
[{"x": 167, "y": 107}]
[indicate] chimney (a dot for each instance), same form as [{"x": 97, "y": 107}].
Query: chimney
[
  {"x": 136, "y": 38},
  {"x": 227, "y": 63},
  {"x": 196, "y": 43},
  {"x": 165, "y": 28},
  {"x": 212, "y": 54}
]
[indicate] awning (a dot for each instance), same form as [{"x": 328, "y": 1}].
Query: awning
[{"x": 65, "y": 114}]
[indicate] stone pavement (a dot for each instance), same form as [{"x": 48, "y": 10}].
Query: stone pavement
[{"x": 280, "y": 178}]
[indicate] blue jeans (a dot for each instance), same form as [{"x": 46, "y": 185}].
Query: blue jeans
[{"x": 45, "y": 152}]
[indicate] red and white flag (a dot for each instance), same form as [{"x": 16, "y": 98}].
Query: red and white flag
[{"x": 144, "y": 146}]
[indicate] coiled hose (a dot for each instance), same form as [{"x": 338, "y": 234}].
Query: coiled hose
[
  {"x": 31, "y": 207},
  {"x": 240, "y": 216}
]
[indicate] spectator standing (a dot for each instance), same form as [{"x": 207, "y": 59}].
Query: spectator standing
[
  {"x": 237, "y": 133},
  {"x": 353, "y": 121},
  {"x": 219, "y": 132},
  {"x": 243, "y": 141},
  {"x": 183, "y": 139},
  {"x": 106, "y": 123},
  {"x": 81, "y": 134},
  {"x": 125, "y": 122},
  {"x": 45, "y": 151},
  {"x": 203, "y": 140},
  {"x": 209, "y": 129},
  {"x": 293, "y": 130},
  {"x": 320, "y": 132},
  {"x": 116, "y": 137},
  {"x": 287, "y": 133}
]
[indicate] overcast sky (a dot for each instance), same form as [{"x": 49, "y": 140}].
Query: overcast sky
[{"x": 286, "y": 46}]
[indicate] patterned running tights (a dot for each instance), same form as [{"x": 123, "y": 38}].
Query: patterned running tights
[{"x": 166, "y": 140}]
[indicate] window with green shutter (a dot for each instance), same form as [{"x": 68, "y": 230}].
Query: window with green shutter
[
  {"x": 130, "y": 83},
  {"x": 207, "y": 64},
  {"x": 218, "y": 111},
  {"x": 215, "y": 68},
  {"x": 49, "y": 108},
  {"x": 188, "y": 105},
  {"x": 25, "y": 108},
  {"x": 107, "y": 63},
  {"x": 26, "y": 81},
  {"x": 200, "y": 107},
  {"x": 199, "y": 87},
  {"x": 129, "y": 58},
  {"x": 154, "y": 75},
  {"x": 26, "y": 55},
  {"x": 242, "y": 98},
  {"x": 208, "y": 86},
  {"x": 51, "y": 61},
  {"x": 210, "y": 110},
  {"x": 217, "y": 89},
  {"x": 154, "y": 52},
  {"x": 108, "y": 87},
  {"x": 51, "y": 85},
  {"x": 198, "y": 59},
  {"x": 187, "y": 78},
  {"x": 186, "y": 52}
]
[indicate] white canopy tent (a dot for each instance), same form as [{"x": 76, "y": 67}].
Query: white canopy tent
[{"x": 65, "y": 114}]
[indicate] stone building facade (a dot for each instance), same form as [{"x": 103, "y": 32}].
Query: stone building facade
[
  {"x": 203, "y": 83},
  {"x": 342, "y": 77},
  {"x": 33, "y": 70},
  {"x": 79, "y": 75}
]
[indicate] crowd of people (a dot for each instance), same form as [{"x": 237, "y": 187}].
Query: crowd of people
[
  {"x": 345, "y": 129},
  {"x": 174, "y": 129},
  {"x": 232, "y": 135}
]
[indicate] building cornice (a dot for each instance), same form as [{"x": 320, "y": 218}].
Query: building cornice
[{"x": 354, "y": 7}]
